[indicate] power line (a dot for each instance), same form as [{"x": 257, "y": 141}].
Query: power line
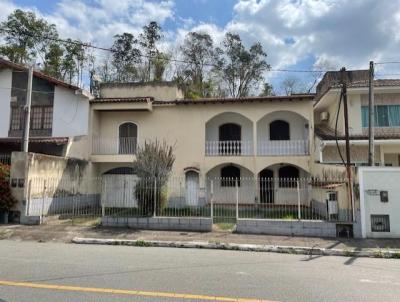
[{"x": 388, "y": 62}]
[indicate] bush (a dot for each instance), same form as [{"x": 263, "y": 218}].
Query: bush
[
  {"x": 7, "y": 201},
  {"x": 145, "y": 196}
]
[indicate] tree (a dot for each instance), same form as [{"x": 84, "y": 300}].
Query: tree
[
  {"x": 152, "y": 33},
  {"x": 126, "y": 56},
  {"x": 7, "y": 201},
  {"x": 54, "y": 60},
  {"x": 198, "y": 52},
  {"x": 73, "y": 61},
  {"x": 159, "y": 63},
  {"x": 153, "y": 165},
  {"x": 268, "y": 90},
  {"x": 27, "y": 37},
  {"x": 292, "y": 85},
  {"x": 240, "y": 68}
]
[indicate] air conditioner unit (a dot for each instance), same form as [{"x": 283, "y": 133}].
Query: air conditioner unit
[
  {"x": 332, "y": 203},
  {"x": 324, "y": 116}
]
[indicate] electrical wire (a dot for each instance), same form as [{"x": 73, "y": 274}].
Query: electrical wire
[{"x": 89, "y": 45}]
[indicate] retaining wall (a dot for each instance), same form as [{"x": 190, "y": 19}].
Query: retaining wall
[
  {"x": 286, "y": 227},
  {"x": 160, "y": 223}
]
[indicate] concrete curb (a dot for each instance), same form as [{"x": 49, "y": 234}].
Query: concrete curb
[{"x": 310, "y": 251}]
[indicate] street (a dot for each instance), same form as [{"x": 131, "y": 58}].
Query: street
[{"x": 32, "y": 271}]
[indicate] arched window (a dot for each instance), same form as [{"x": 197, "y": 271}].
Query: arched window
[
  {"x": 288, "y": 177},
  {"x": 120, "y": 171},
  {"x": 279, "y": 130},
  {"x": 230, "y": 132},
  {"x": 127, "y": 138},
  {"x": 229, "y": 176},
  {"x": 230, "y": 139}
]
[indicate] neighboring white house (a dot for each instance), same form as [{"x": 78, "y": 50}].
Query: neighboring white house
[
  {"x": 380, "y": 202},
  {"x": 387, "y": 119},
  {"x": 59, "y": 113}
]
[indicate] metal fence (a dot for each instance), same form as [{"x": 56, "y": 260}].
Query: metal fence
[
  {"x": 5, "y": 159},
  {"x": 223, "y": 199}
]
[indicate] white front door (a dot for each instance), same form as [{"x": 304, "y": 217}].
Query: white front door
[{"x": 192, "y": 188}]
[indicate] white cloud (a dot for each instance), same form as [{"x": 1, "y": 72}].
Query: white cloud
[{"x": 333, "y": 33}]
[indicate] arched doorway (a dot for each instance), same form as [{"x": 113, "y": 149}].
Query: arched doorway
[
  {"x": 279, "y": 130},
  {"x": 192, "y": 188},
  {"x": 127, "y": 138},
  {"x": 230, "y": 138},
  {"x": 266, "y": 184}
]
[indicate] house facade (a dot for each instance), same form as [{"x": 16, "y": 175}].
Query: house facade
[
  {"x": 59, "y": 114},
  {"x": 244, "y": 139},
  {"x": 328, "y": 116}
]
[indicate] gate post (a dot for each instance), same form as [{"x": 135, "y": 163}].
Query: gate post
[
  {"x": 298, "y": 200},
  {"x": 212, "y": 199},
  {"x": 155, "y": 198},
  {"x": 43, "y": 197},
  {"x": 237, "y": 199}
]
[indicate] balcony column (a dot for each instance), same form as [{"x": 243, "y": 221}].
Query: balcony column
[{"x": 255, "y": 143}]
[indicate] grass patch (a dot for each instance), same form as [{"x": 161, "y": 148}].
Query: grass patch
[{"x": 225, "y": 226}]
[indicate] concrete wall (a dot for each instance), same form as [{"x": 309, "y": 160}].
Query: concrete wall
[
  {"x": 286, "y": 227},
  {"x": 70, "y": 113},
  {"x": 64, "y": 178},
  {"x": 164, "y": 91},
  {"x": 5, "y": 98},
  {"x": 373, "y": 180},
  {"x": 161, "y": 223}
]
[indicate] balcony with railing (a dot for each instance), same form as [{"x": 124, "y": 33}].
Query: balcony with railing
[
  {"x": 229, "y": 148},
  {"x": 114, "y": 145},
  {"x": 283, "y": 147}
]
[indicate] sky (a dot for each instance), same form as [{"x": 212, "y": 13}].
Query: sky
[{"x": 296, "y": 34}]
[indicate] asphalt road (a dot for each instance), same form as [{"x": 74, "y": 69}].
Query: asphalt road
[{"x": 31, "y": 271}]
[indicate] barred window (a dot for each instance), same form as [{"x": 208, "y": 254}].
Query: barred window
[
  {"x": 17, "y": 117},
  {"x": 380, "y": 223},
  {"x": 41, "y": 118},
  {"x": 48, "y": 118},
  {"x": 36, "y": 118}
]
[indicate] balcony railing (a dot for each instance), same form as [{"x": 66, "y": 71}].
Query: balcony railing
[
  {"x": 283, "y": 148},
  {"x": 114, "y": 145},
  {"x": 229, "y": 148}
]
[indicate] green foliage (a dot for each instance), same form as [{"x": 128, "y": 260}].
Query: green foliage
[
  {"x": 198, "y": 52},
  {"x": 268, "y": 90},
  {"x": 126, "y": 56},
  {"x": 7, "y": 201},
  {"x": 240, "y": 68},
  {"x": 152, "y": 33},
  {"x": 26, "y": 36},
  {"x": 159, "y": 63},
  {"x": 30, "y": 38}
]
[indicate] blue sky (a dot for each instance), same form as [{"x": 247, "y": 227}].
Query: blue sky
[{"x": 296, "y": 34}]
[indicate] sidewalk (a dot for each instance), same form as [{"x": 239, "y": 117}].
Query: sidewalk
[{"x": 65, "y": 233}]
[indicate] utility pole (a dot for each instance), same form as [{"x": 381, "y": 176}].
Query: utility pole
[
  {"x": 27, "y": 109},
  {"x": 371, "y": 117},
  {"x": 346, "y": 133}
]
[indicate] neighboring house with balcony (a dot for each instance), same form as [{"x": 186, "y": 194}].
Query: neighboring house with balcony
[
  {"x": 387, "y": 119},
  {"x": 59, "y": 113},
  {"x": 233, "y": 141}
]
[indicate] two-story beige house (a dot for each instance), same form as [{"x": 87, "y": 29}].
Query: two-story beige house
[
  {"x": 328, "y": 117},
  {"x": 248, "y": 138}
]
